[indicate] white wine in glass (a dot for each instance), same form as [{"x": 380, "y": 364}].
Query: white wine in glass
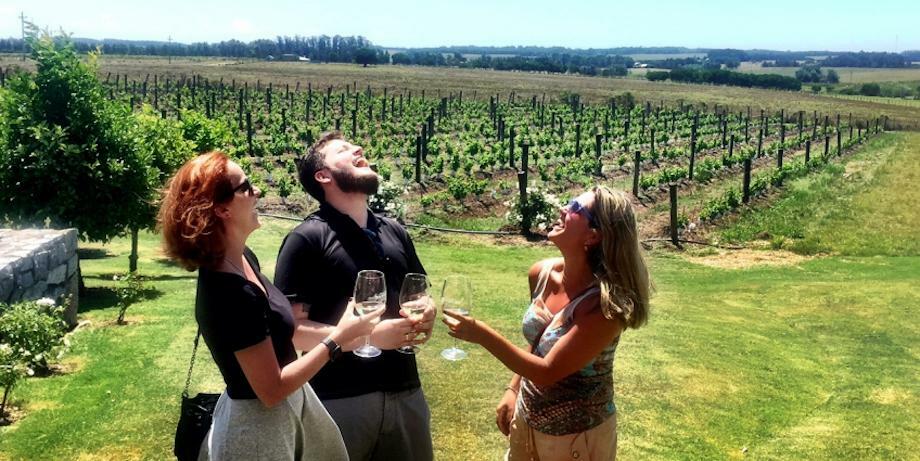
[
  {"x": 456, "y": 298},
  {"x": 413, "y": 300},
  {"x": 370, "y": 295}
]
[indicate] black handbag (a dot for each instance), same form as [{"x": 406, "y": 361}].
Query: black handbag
[{"x": 195, "y": 417}]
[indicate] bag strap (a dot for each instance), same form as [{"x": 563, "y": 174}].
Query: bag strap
[{"x": 188, "y": 378}]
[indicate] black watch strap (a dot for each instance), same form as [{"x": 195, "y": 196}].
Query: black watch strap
[{"x": 334, "y": 349}]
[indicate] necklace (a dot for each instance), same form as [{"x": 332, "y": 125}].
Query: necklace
[{"x": 242, "y": 272}]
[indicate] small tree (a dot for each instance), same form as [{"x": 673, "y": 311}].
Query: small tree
[
  {"x": 870, "y": 89},
  {"x": 365, "y": 56},
  {"x": 832, "y": 76},
  {"x": 68, "y": 154}
]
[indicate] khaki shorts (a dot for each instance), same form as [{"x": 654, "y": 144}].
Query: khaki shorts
[{"x": 529, "y": 444}]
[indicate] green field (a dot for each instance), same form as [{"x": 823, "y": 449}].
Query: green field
[
  {"x": 814, "y": 358},
  {"x": 482, "y": 83},
  {"x": 847, "y": 74}
]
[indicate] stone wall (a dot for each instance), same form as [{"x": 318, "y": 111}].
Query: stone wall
[{"x": 40, "y": 263}]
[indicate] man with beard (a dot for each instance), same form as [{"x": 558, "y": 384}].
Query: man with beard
[{"x": 377, "y": 402}]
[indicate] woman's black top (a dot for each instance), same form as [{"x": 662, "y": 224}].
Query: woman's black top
[{"x": 233, "y": 314}]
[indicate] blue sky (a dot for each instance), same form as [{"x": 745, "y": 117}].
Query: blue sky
[{"x": 881, "y": 25}]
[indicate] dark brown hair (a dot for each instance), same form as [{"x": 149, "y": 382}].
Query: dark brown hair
[
  {"x": 313, "y": 161},
  {"x": 192, "y": 233}
]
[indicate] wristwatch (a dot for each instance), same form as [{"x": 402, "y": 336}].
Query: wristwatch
[{"x": 334, "y": 349}]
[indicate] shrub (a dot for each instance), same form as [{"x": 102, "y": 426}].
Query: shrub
[
  {"x": 388, "y": 200},
  {"x": 130, "y": 291},
  {"x": 33, "y": 330},
  {"x": 870, "y": 89},
  {"x": 540, "y": 206}
]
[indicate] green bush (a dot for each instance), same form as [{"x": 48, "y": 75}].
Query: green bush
[
  {"x": 33, "y": 330},
  {"x": 870, "y": 89},
  {"x": 130, "y": 291},
  {"x": 542, "y": 207},
  {"x": 388, "y": 200}
]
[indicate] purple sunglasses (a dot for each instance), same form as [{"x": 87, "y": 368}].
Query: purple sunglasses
[{"x": 575, "y": 207}]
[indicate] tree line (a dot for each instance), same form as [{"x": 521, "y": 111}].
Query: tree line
[{"x": 727, "y": 77}]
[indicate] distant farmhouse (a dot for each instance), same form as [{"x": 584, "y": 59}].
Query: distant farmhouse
[{"x": 288, "y": 57}]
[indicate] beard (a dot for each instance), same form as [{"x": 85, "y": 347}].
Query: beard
[{"x": 349, "y": 182}]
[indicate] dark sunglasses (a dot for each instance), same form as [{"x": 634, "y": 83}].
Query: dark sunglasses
[
  {"x": 575, "y": 207},
  {"x": 245, "y": 187}
]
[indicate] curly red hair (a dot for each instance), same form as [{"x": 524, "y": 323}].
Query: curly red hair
[{"x": 193, "y": 235}]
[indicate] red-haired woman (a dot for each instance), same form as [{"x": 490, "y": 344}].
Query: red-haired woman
[{"x": 268, "y": 410}]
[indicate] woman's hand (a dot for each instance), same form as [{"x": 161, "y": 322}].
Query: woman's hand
[
  {"x": 465, "y": 327},
  {"x": 421, "y": 328},
  {"x": 505, "y": 411},
  {"x": 352, "y": 326}
]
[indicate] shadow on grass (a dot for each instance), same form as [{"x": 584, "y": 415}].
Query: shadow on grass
[
  {"x": 95, "y": 298},
  {"x": 93, "y": 253},
  {"x": 110, "y": 276}
]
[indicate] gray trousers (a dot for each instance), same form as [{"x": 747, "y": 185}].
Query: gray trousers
[
  {"x": 297, "y": 429},
  {"x": 384, "y": 426}
]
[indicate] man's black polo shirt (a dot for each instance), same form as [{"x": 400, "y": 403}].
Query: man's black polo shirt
[{"x": 318, "y": 264}]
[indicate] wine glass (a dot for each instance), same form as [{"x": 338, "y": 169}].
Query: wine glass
[
  {"x": 456, "y": 298},
  {"x": 370, "y": 295},
  {"x": 413, "y": 300}
]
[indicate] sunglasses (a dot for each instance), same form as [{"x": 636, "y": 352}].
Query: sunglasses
[
  {"x": 575, "y": 207},
  {"x": 245, "y": 187}
]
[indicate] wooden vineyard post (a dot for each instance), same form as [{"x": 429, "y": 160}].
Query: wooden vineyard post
[
  {"x": 850, "y": 124},
  {"x": 338, "y": 124},
  {"x": 598, "y": 138},
  {"x": 766, "y": 123},
  {"x": 672, "y": 191},
  {"x": 839, "y": 150},
  {"x": 827, "y": 145},
  {"x": 268, "y": 99},
  {"x": 511, "y": 146},
  {"x": 577, "y": 139},
  {"x": 747, "y": 126},
  {"x": 283, "y": 120},
  {"x": 652, "y": 146},
  {"x": 249, "y": 132},
  {"x": 522, "y": 201},
  {"x": 746, "y": 183},
  {"x": 525, "y": 155},
  {"x": 723, "y": 124},
  {"x": 308, "y": 104},
  {"x": 418, "y": 159},
  {"x": 760, "y": 142},
  {"x": 731, "y": 146},
  {"x": 807, "y": 150},
  {"x": 636, "y": 166},
  {"x": 425, "y": 135},
  {"x": 178, "y": 103},
  {"x": 354, "y": 123},
  {"x": 779, "y": 152},
  {"x": 696, "y": 122},
  {"x": 801, "y": 125}
]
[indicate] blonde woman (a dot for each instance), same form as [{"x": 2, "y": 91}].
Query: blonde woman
[{"x": 559, "y": 403}]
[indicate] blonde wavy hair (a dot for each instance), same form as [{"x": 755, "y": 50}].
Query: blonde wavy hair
[{"x": 617, "y": 261}]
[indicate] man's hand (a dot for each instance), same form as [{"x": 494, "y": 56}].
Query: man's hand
[
  {"x": 394, "y": 333},
  {"x": 421, "y": 328}
]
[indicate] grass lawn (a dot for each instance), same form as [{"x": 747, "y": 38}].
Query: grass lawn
[{"x": 816, "y": 360}]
